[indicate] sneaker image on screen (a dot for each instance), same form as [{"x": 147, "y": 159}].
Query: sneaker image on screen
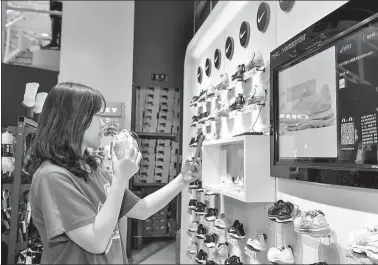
[
  {"x": 311, "y": 111},
  {"x": 365, "y": 241},
  {"x": 312, "y": 223}
]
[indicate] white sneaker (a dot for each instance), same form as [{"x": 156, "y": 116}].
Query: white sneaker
[
  {"x": 227, "y": 180},
  {"x": 192, "y": 248},
  {"x": 30, "y": 94},
  {"x": 193, "y": 226},
  {"x": 255, "y": 61},
  {"x": 258, "y": 242},
  {"x": 213, "y": 115},
  {"x": 239, "y": 183},
  {"x": 225, "y": 82},
  {"x": 39, "y": 102},
  {"x": 365, "y": 241},
  {"x": 280, "y": 255},
  {"x": 219, "y": 223}
]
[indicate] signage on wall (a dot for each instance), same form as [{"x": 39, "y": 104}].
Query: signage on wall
[
  {"x": 286, "y": 5},
  {"x": 217, "y": 58},
  {"x": 229, "y": 48},
  {"x": 263, "y": 16},
  {"x": 208, "y": 67},
  {"x": 244, "y": 34},
  {"x": 199, "y": 75},
  {"x": 159, "y": 77}
]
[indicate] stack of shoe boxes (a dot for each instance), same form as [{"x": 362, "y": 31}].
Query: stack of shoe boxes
[
  {"x": 156, "y": 225},
  {"x": 147, "y": 166},
  {"x": 163, "y": 151},
  {"x": 151, "y": 109},
  {"x": 174, "y": 155}
]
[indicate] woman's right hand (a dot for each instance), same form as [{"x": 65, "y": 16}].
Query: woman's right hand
[{"x": 128, "y": 165}]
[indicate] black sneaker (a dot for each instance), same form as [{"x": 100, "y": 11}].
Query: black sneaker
[
  {"x": 233, "y": 260},
  {"x": 211, "y": 262},
  {"x": 238, "y": 103},
  {"x": 201, "y": 257},
  {"x": 201, "y": 232},
  {"x": 203, "y": 118},
  {"x": 200, "y": 209},
  {"x": 194, "y": 121},
  {"x": 282, "y": 212},
  {"x": 211, "y": 214},
  {"x": 194, "y": 101},
  {"x": 239, "y": 73},
  {"x": 237, "y": 230},
  {"x": 202, "y": 96},
  {"x": 193, "y": 142},
  {"x": 210, "y": 240},
  {"x": 192, "y": 204},
  {"x": 195, "y": 185}
]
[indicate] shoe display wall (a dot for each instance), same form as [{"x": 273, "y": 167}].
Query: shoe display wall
[{"x": 283, "y": 221}]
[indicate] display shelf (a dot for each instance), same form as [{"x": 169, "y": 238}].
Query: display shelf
[
  {"x": 221, "y": 157},
  {"x": 155, "y": 135}
]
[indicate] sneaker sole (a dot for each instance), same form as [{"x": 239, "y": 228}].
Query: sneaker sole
[
  {"x": 210, "y": 218},
  {"x": 236, "y": 236},
  {"x": 192, "y": 207},
  {"x": 255, "y": 247},
  {"x": 275, "y": 219},
  {"x": 281, "y": 261},
  {"x": 362, "y": 250},
  {"x": 220, "y": 226},
  {"x": 192, "y": 251},
  {"x": 312, "y": 124},
  {"x": 315, "y": 233},
  {"x": 200, "y": 213},
  {"x": 201, "y": 261},
  {"x": 210, "y": 245}
]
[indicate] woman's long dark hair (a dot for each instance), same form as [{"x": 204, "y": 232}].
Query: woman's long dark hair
[{"x": 66, "y": 115}]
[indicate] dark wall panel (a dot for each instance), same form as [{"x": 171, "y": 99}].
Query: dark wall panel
[
  {"x": 13, "y": 80},
  {"x": 163, "y": 30}
]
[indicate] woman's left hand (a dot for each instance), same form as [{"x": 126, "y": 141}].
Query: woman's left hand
[{"x": 191, "y": 171}]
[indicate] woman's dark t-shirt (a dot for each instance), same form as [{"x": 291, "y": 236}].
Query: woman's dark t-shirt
[{"x": 62, "y": 202}]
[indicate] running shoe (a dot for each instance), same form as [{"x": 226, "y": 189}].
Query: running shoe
[
  {"x": 200, "y": 209},
  {"x": 202, "y": 96},
  {"x": 365, "y": 241},
  {"x": 192, "y": 249},
  {"x": 233, "y": 260},
  {"x": 239, "y": 73},
  {"x": 282, "y": 255},
  {"x": 282, "y": 212},
  {"x": 193, "y": 142},
  {"x": 227, "y": 180},
  {"x": 221, "y": 250},
  {"x": 219, "y": 223},
  {"x": 237, "y": 103},
  {"x": 201, "y": 257},
  {"x": 213, "y": 115},
  {"x": 203, "y": 118},
  {"x": 193, "y": 226},
  {"x": 312, "y": 223},
  {"x": 210, "y": 240},
  {"x": 192, "y": 204},
  {"x": 255, "y": 61},
  {"x": 195, "y": 185},
  {"x": 258, "y": 242},
  {"x": 237, "y": 230},
  {"x": 239, "y": 183},
  {"x": 211, "y": 214},
  {"x": 225, "y": 82},
  {"x": 311, "y": 111},
  {"x": 194, "y": 121},
  {"x": 194, "y": 101},
  {"x": 211, "y": 92},
  {"x": 201, "y": 231}
]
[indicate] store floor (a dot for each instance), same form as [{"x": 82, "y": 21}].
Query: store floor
[{"x": 156, "y": 252}]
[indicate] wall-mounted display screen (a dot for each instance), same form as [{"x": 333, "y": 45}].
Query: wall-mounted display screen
[{"x": 325, "y": 105}]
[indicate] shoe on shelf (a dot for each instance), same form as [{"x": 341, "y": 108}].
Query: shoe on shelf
[
  {"x": 225, "y": 82},
  {"x": 213, "y": 115},
  {"x": 237, "y": 230},
  {"x": 192, "y": 248},
  {"x": 194, "y": 101},
  {"x": 193, "y": 226},
  {"x": 255, "y": 61},
  {"x": 257, "y": 96},
  {"x": 282, "y": 255},
  {"x": 227, "y": 180},
  {"x": 192, "y": 204},
  {"x": 203, "y": 118},
  {"x": 211, "y": 92},
  {"x": 258, "y": 242},
  {"x": 211, "y": 214},
  {"x": 220, "y": 223},
  {"x": 201, "y": 232},
  {"x": 224, "y": 111},
  {"x": 365, "y": 241},
  {"x": 239, "y": 73},
  {"x": 239, "y": 183},
  {"x": 200, "y": 209},
  {"x": 233, "y": 260},
  {"x": 193, "y": 142},
  {"x": 282, "y": 212},
  {"x": 210, "y": 240},
  {"x": 194, "y": 121},
  {"x": 312, "y": 223},
  {"x": 195, "y": 185},
  {"x": 210, "y": 193},
  {"x": 202, "y": 96},
  {"x": 201, "y": 257},
  {"x": 221, "y": 250},
  {"x": 237, "y": 103}
]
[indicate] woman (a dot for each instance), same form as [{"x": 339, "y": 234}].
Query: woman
[{"x": 75, "y": 204}]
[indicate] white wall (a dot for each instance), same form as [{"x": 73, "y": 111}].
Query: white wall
[
  {"x": 346, "y": 209},
  {"x": 97, "y": 47},
  {"x": 97, "y": 50}
]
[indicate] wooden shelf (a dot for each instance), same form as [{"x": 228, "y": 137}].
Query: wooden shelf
[{"x": 155, "y": 135}]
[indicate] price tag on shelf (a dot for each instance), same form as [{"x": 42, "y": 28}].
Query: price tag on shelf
[
  {"x": 231, "y": 240},
  {"x": 218, "y": 231},
  {"x": 249, "y": 252}
]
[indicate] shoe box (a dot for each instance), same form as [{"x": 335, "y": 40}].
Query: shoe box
[
  {"x": 160, "y": 178},
  {"x": 148, "y": 231},
  {"x": 159, "y": 223},
  {"x": 162, "y": 170},
  {"x": 150, "y": 123},
  {"x": 160, "y": 231},
  {"x": 141, "y": 178}
]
